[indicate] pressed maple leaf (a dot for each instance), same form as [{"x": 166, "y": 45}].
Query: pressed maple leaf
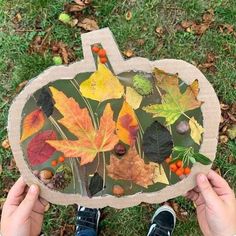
[
  {"x": 102, "y": 85},
  {"x": 38, "y": 151},
  {"x": 131, "y": 167},
  {"x": 174, "y": 103},
  {"x": 32, "y": 123},
  {"x": 77, "y": 121},
  {"x": 127, "y": 124}
]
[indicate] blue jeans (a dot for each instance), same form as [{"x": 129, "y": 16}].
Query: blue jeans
[{"x": 87, "y": 232}]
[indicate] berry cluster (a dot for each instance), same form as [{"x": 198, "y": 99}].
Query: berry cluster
[
  {"x": 101, "y": 53},
  {"x": 178, "y": 167},
  {"x": 61, "y": 159}
]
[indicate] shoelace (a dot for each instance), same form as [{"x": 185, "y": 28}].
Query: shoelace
[{"x": 161, "y": 229}]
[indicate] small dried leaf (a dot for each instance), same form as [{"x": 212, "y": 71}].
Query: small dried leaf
[
  {"x": 196, "y": 130},
  {"x": 133, "y": 98},
  {"x": 223, "y": 139},
  {"x": 88, "y": 24},
  {"x": 6, "y": 144},
  {"x": 159, "y": 30},
  {"x": 128, "y": 53},
  {"x": 96, "y": 184},
  {"x": 128, "y": 15},
  {"x": 32, "y": 123}
]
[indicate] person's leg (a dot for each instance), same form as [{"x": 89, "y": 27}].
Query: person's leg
[
  {"x": 163, "y": 222},
  {"x": 87, "y": 221}
]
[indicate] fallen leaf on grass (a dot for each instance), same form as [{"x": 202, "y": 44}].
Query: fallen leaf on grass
[
  {"x": 32, "y": 123},
  {"x": 102, "y": 85},
  {"x": 21, "y": 86},
  {"x": 6, "y": 144},
  {"x": 231, "y": 132},
  {"x": 128, "y": 15},
  {"x": 78, "y": 122},
  {"x": 38, "y": 150},
  {"x": 196, "y": 130},
  {"x": 88, "y": 24},
  {"x": 226, "y": 28},
  {"x": 127, "y": 124},
  {"x": 186, "y": 101},
  {"x": 133, "y": 98},
  {"x": 132, "y": 168},
  {"x": 128, "y": 53},
  {"x": 181, "y": 213},
  {"x": 12, "y": 164},
  {"x": 159, "y": 31}
]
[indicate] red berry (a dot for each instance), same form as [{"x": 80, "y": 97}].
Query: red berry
[
  {"x": 168, "y": 160},
  {"x": 54, "y": 163},
  {"x": 95, "y": 49},
  {"x": 103, "y": 60},
  {"x": 179, "y": 171},
  {"x": 187, "y": 171},
  {"x": 102, "y": 53},
  {"x": 173, "y": 167},
  {"x": 61, "y": 159},
  {"x": 179, "y": 163}
]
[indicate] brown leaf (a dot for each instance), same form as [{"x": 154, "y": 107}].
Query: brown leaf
[
  {"x": 88, "y": 24},
  {"x": 223, "y": 139},
  {"x": 140, "y": 42},
  {"x": 128, "y": 15},
  {"x": 186, "y": 24},
  {"x": 6, "y": 144},
  {"x": 17, "y": 18},
  {"x": 208, "y": 17},
  {"x": 21, "y": 86},
  {"x": 199, "y": 29},
  {"x": 128, "y": 53},
  {"x": 181, "y": 213},
  {"x": 12, "y": 164},
  {"x": 159, "y": 31},
  {"x": 131, "y": 167}
]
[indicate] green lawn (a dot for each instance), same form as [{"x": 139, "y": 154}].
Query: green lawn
[{"x": 17, "y": 64}]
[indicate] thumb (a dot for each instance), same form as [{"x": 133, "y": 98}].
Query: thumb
[
  {"x": 208, "y": 194},
  {"x": 25, "y": 208}
]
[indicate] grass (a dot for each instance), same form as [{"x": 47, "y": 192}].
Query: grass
[{"x": 18, "y": 65}]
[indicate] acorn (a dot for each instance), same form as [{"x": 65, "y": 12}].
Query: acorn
[
  {"x": 182, "y": 127},
  {"x": 120, "y": 149},
  {"x": 118, "y": 191},
  {"x": 45, "y": 174}
]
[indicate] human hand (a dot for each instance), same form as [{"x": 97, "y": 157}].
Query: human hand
[
  {"x": 216, "y": 205},
  {"x": 23, "y": 211}
]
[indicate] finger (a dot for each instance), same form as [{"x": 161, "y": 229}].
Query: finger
[
  {"x": 15, "y": 194},
  {"x": 210, "y": 197},
  {"x": 219, "y": 184},
  {"x": 25, "y": 208}
]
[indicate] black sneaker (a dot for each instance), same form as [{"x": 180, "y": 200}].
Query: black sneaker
[
  {"x": 87, "y": 218},
  {"x": 163, "y": 222}
]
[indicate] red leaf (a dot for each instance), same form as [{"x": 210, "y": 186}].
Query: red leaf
[{"x": 38, "y": 150}]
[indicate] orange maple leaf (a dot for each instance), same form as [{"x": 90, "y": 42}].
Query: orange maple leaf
[
  {"x": 77, "y": 121},
  {"x": 131, "y": 167}
]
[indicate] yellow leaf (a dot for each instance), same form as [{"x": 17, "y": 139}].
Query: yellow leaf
[
  {"x": 159, "y": 174},
  {"x": 196, "y": 130},
  {"x": 102, "y": 85},
  {"x": 133, "y": 98},
  {"x": 127, "y": 124},
  {"x": 32, "y": 123}
]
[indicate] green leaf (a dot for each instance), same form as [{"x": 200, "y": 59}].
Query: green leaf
[
  {"x": 157, "y": 142},
  {"x": 174, "y": 103},
  {"x": 180, "y": 149},
  {"x": 96, "y": 184},
  {"x": 202, "y": 159}
]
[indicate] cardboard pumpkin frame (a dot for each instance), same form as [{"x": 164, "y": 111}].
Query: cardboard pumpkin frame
[{"x": 186, "y": 71}]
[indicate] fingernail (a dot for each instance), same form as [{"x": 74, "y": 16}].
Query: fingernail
[
  {"x": 202, "y": 178},
  {"x": 33, "y": 189}
]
